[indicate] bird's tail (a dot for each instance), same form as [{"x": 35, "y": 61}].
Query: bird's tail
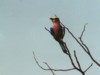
[{"x": 63, "y": 46}]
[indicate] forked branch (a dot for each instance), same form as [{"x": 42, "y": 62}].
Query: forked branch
[
  {"x": 82, "y": 44},
  {"x": 86, "y": 49},
  {"x": 50, "y": 69}
]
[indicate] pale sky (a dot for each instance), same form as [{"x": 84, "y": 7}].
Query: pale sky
[{"x": 22, "y": 31}]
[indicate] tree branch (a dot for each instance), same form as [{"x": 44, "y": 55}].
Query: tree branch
[
  {"x": 38, "y": 62},
  {"x": 88, "y": 68},
  {"x": 86, "y": 49},
  {"x": 80, "y": 69},
  {"x": 81, "y": 43},
  {"x": 83, "y": 30},
  {"x": 50, "y": 68},
  {"x": 47, "y": 30},
  {"x": 72, "y": 62},
  {"x": 74, "y": 37},
  {"x": 77, "y": 60}
]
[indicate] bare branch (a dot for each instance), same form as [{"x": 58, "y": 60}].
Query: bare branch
[
  {"x": 88, "y": 68},
  {"x": 38, "y": 63},
  {"x": 93, "y": 59},
  {"x": 83, "y": 30},
  {"x": 72, "y": 62},
  {"x": 63, "y": 69},
  {"x": 50, "y": 68},
  {"x": 86, "y": 49},
  {"x": 74, "y": 36},
  {"x": 77, "y": 60},
  {"x": 47, "y": 29},
  {"x": 81, "y": 43}
]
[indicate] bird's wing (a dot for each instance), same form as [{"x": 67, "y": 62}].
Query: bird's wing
[
  {"x": 63, "y": 30},
  {"x": 51, "y": 31}
]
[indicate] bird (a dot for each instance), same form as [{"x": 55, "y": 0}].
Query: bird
[{"x": 58, "y": 31}]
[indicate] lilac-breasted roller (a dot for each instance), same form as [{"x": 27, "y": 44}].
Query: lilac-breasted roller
[{"x": 58, "y": 32}]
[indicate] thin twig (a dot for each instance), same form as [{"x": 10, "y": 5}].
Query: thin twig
[
  {"x": 63, "y": 69},
  {"x": 47, "y": 29},
  {"x": 72, "y": 62},
  {"x": 50, "y": 68},
  {"x": 88, "y": 68},
  {"x": 77, "y": 60},
  {"x": 38, "y": 63},
  {"x": 86, "y": 48},
  {"x": 83, "y": 30}
]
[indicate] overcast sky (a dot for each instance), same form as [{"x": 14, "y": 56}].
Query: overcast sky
[{"x": 22, "y": 31}]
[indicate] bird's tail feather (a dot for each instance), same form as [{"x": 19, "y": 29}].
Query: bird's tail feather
[{"x": 63, "y": 47}]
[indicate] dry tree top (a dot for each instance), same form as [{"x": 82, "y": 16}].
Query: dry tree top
[{"x": 82, "y": 45}]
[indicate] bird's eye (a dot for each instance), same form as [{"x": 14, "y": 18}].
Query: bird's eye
[{"x": 56, "y": 18}]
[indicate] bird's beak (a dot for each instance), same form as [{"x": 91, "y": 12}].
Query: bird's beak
[{"x": 51, "y": 18}]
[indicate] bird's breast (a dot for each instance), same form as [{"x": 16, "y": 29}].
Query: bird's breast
[{"x": 57, "y": 29}]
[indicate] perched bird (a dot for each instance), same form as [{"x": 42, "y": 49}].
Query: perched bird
[{"x": 58, "y": 32}]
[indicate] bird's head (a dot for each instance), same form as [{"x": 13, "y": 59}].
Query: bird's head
[{"x": 55, "y": 19}]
